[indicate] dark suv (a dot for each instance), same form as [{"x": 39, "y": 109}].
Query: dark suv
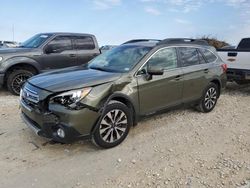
[
  {"x": 44, "y": 52},
  {"x": 104, "y": 98}
]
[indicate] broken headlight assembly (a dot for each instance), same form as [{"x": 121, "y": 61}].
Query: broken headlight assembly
[{"x": 71, "y": 98}]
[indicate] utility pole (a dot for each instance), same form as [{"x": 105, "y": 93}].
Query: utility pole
[{"x": 13, "y": 33}]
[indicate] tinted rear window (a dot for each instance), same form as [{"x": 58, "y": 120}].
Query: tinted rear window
[
  {"x": 84, "y": 43},
  {"x": 244, "y": 44},
  {"x": 209, "y": 56}
]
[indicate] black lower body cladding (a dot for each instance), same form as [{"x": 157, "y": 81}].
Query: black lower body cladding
[{"x": 49, "y": 130}]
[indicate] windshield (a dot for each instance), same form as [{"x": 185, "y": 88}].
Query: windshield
[
  {"x": 35, "y": 41},
  {"x": 119, "y": 59}
]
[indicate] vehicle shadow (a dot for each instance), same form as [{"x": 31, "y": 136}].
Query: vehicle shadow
[{"x": 4, "y": 92}]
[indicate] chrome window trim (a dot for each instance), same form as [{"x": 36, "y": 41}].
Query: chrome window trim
[{"x": 139, "y": 69}]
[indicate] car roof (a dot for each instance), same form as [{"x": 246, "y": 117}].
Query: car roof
[{"x": 65, "y": 33}]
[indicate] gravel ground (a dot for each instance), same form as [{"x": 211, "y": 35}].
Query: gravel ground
[{"x": 181, "y": 148}]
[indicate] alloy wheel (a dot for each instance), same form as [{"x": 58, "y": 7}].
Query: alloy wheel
[
  {"x": 113, "y": 126},
  {"x": 210, "y": 98},
  {"x": 18, "y": 81}
]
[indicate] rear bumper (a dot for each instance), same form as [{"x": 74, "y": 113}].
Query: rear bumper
[
  {"x": 1, "y": 79},
  {"x": 238, "y": 74}
]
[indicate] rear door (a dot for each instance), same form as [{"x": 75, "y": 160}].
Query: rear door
[
  {"x": 86, "y": 49},
  {"x": 195, "y": 73},
  {"x": 163, "y": 90},
  {"x": 59, "y": 53}
]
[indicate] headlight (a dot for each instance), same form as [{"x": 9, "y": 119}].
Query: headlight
[
  {"x": 1, "y": 58},
  {"x": 71, "y": 98}
]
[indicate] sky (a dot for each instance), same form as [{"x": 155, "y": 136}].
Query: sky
[{"x": 116, "y": 21}]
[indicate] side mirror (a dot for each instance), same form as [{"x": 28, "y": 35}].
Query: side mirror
[{"x": 155, "y": 71}]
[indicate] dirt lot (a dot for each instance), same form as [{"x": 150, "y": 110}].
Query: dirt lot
[{"x": 181, "y": 148}]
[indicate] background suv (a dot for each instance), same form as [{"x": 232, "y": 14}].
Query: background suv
[
  {"x": 103, "y": 99},
  {"x": 44, "y": 52}
]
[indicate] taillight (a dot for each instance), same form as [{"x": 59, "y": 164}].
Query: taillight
[{"x": 224, "y": 67}]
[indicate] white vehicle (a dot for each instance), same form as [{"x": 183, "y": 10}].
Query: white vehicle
[
  {"x": 8, "y": 44},
  {"x": 238, "y": 61}
]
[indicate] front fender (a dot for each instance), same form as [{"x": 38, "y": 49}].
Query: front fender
[{"x": 18, "y": 60}]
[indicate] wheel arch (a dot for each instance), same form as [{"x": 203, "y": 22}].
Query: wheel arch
[
  {"x": 120, "y": 98},
  {"x": 218, "y": 83},
  {"x": 125, "y": 100},
  {"x": 23, "y": 65}
]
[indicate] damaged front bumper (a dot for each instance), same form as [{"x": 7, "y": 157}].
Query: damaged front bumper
[{"x": 75, "y": 124}]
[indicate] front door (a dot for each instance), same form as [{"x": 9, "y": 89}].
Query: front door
[
  {"x": 160, "y": 91},
  {"x": 59, "y": 53}
]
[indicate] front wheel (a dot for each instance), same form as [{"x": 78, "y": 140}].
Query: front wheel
[
  {"x": 209, "y": 98},
  {"x": 113, "y": 126},
  {"x": 16, "y": 79}
]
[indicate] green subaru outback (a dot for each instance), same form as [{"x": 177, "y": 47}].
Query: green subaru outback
[{"x": 104, "y": 98}]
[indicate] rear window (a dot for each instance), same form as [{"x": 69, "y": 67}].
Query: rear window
[
  {"x": 84, "y": 43},
  {"x": 209, "y": 56},
  {"x": 244, "y": 44},
  {"x": 189, "y": 56}
]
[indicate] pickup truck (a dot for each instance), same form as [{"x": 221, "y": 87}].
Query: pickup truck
[
  {"x": 44, "y": 52},
  {"x": 238, "y": 62}
]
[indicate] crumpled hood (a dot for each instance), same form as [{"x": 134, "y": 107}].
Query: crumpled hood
[{"x": 72, "y": 78}]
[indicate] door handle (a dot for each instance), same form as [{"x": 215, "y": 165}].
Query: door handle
[
  {"x": 232, "y": 54},
  {"x": 72, "y": 55},
  {"x": 177, "y": 78},
  {"x": 206, "y": 71}
]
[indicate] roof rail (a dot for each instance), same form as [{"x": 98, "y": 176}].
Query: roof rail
[
  {"x": 141, "y": 40},
  {"x": 183, "y": 41}
]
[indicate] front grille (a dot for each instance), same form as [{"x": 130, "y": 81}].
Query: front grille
[{"x": 30, "y": 96}]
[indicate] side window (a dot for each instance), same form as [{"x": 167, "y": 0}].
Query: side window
[
  {"x": 84, "y": 43},
  {"x": 165, "y": 58},
  {"x": 209, "y": 56},
  {"x": 244, "y": 44},
  {"x": 189, "y": 56},
  {"x": 59, "y": 44}
]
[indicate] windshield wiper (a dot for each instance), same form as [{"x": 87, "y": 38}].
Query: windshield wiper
[
  {"x": 99, "y": 68},
  {"x": 104, "y": 69}
]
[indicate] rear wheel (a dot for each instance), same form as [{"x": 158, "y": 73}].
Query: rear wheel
[
  {"x": 114, "y": 125},
  {"x": 209, "y": 98},
  {"x": 17, "y": 78}
]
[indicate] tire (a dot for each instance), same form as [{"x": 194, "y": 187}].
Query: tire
[
  {"x": 113, "y": 126},
  {"x": 17, "y": 78},
  {"x": 242, "y": 82},
  {"x": 209, "y": 98}
]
